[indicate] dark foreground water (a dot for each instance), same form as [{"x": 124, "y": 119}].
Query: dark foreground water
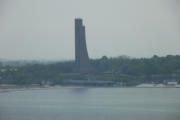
[{"x": 91, "y": 104}]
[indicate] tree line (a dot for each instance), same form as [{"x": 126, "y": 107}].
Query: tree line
[{"x": 130, "y": 71}]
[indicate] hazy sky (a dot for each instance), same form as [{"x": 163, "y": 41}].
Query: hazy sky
[{"x": 44, "y": 29}]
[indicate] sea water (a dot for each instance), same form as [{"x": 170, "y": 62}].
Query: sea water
[{"x": 91, "y": 104}]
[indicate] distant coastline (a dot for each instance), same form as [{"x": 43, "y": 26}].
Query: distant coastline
[
  {"x": 12, "y": 88},
  {"x": 122, "y": 70}
]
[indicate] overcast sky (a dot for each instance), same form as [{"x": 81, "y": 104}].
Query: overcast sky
[{"x": 44, "y": 29}]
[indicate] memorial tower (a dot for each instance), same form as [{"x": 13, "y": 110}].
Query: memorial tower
[{"x": 82, "y": 63}]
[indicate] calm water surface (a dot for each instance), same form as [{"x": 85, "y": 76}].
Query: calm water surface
[{"x": 91, "y": 104}]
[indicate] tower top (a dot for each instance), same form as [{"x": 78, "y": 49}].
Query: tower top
[
  {"x": 78, "y": 21},
  {"x": 78, "y": 18}
]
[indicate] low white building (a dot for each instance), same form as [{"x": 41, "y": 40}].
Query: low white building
[{"x": 172, "y": 83}]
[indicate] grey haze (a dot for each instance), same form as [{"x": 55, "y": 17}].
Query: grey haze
[{"x": 44, "y": 29}]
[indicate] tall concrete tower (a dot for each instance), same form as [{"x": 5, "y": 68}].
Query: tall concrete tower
[{"x": 82, "y": 64}]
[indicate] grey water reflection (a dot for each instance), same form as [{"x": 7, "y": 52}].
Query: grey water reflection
[{"x": 80, "y": 90}]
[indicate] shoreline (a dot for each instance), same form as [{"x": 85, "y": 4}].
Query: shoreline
[{"x": 4, "y": 89}]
